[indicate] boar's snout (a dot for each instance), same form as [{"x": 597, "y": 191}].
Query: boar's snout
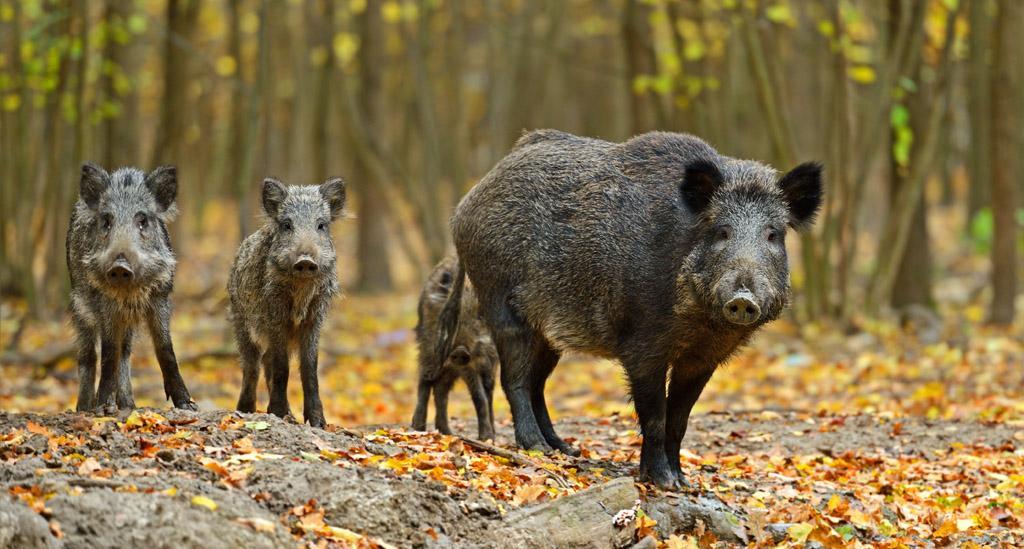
[
  {"x": 460, "y": 355},
  {"x": 742, "y": 309},
  {"x": 305, "y": 266},
  {"x": 120, "y": 272}
]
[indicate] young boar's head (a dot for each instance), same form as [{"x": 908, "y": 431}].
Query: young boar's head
[
  {"x": 738, "y": 265},
  {"x": 127, "y": 214},
  {"x": 302, "y": 215},
  {"x": 472, "y": 345}
]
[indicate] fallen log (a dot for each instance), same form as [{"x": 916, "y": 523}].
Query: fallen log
[{"x": 583, "y": 519}]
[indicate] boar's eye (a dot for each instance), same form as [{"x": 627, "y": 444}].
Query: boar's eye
[
  {"x": 772, "y": 235},
  {"x": 286, "y": 224},
  {"x": 106, "y": 221},
  {"x": 321, "y": 226},
  {"x": 141, "y": 220},
  {"x": 723, "y": 233}
]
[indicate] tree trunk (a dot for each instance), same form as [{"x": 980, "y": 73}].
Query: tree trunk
[
  {"x": 372, "y": 243},
  {"x": 1006, "y": 90},
  {"x": 120, "y": 146},
  {"x": 979, "y": 66}
]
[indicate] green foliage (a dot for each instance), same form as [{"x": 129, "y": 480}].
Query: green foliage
[
  {"x": 903, "y": 135},
  {"x": 982, "y": 229}
]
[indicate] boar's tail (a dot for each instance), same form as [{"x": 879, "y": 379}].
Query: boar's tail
[{"x": 448, "y": 321}]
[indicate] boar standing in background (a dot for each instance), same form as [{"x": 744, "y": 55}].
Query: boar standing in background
[
  {"x": 122, "y": 272},
  {"x": 281, "y": 286},
  {"x": 658, "y": 252},
  {"x": 472, "y": 358}
]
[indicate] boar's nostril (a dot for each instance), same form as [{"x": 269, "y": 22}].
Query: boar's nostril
[
  {"x": 742, "y": 309},
  {"x": 305, "y": 266},
  {"x": 120, "y": 274}
]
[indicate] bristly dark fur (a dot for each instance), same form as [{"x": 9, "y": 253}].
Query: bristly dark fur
[
  {"x": 121, "y": 219},
  {"x": 281, "y": 286},
  {"x": 659, "y": 252},
  {"x": 472, "y": 357}
]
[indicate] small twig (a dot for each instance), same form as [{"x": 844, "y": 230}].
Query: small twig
[{"x": 514, "y": 457}]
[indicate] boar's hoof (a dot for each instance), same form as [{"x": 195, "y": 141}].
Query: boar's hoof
[
  {"x": 316, "y": 420},
  {"x": 665, "y": 480},
  {"x": 186, "y": 404},
  {"x": 108, "y": 409},
  {"x": 568, "y": 449}
]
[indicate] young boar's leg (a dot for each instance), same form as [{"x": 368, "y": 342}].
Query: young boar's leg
[
  {"x": 312, "y": 408},
  {"x": 488, "y": 383},
  {"x": 419, "y": 416},
  {"x": 125, "y": 396},
  {"x": 159, "y": 321},
  {"x": 249, "y": 356},
  {"x": 545, "y": 363},
  {"x": 684, "y": 388},
  {"x": 442, "y": 387},
  {"x": 275, "y": 368},
  {"x": 519, "y": 348},
  {"x": 86, "y": 366},
  {"x": 485, "y": 426},
  {"x": 647, "y": 385},
  {"x": 110, "y": 360}
]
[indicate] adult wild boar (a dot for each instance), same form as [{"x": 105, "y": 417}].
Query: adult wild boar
[{"x": 658, "y": 252}]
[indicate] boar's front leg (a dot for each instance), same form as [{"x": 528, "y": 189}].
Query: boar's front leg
[
  {"x": 249, "y": 355},
  {"x": 86, "y": 366},
  {"x": 312, "y": 408},
  {"x": 125, "y": 396},
  {"x": 684, "y": 388},
  {"x": 275, "y": 369},
  {"x": 110, "y": 361},
  {"x": 647, "y": 385},
  {"x": 159, "y": 321}
]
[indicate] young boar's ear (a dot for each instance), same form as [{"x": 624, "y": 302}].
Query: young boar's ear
[
  {"x": 274, "y": 193},
  {"x": 803, "y": 192},
  {"x": 333, "y": 192},
  {"x": 94, "y": 182},
  {"x": 163, "y": 183},
  {"x": 701, "y": 181}
]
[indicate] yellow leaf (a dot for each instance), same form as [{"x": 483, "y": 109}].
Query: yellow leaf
[
  {"x": 226, "y": 65},
  {"x": 948, "y": 528},
  {"x": 799, "y": 532},
  {"x": 203, "y": 501},
  {"x": 258, "y": 524},
  {"x": 862, "y": 74}
]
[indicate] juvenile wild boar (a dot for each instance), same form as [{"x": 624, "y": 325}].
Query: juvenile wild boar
[
  {"x": 122, "y": 271},
  {"x": 658, "y": 252},
  {"x": 472, "y": 358},
  {"x": 281, "y": 286}
]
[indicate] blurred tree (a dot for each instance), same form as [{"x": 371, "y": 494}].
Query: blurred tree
[{"x": 1006, "y": 173}]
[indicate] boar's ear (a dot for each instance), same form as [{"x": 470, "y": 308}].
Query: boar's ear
[
  {"x": 701, "y": 181},
  {"x": 163, "y": 183},
  {"x": 802, "y": 190},
  {"x": 333, "y": 192},
  {"x": 274, "y": 193},
  {"x": 94, "y": 182}
]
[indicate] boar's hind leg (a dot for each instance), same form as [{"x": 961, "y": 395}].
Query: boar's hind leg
[
  {"x": 683, "y": 390},
  {"x": 86, "y": 366},
  {"x": 249, "y": 356},
  {"x": 442, "y": 387},
  {"x": 519, "y": 348},
  {"x": 546, "y": 360},
  {"x": 419, "y": 416},
  {"x": 160, "y": 331},
  {"x": 647, "y": 385},
  {"x": 125, "y": 396},
  {"x": 485, "y": 426}
]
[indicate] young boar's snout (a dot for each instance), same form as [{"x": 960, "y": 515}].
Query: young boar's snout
[
  {"x": 304, "y": 263},
  {"x": 305, "y": 266},
  {"x": 120, "y": 271},
  {"x": 742, "y": 309},
  {"x": 460, "y": 355}
]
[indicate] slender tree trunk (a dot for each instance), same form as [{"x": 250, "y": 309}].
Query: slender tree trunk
[
  {"x": 979, "y": 95},
  {"x": 323, "y": 30},
  {"x": 372, "y": 241},
  {"x": 120, "y": 145},
  {"x": 1006, "y": 171},
  {"x": 639, "y": 62}
]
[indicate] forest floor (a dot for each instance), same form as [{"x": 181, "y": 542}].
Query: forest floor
[{"x": 884, "y": 435}]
